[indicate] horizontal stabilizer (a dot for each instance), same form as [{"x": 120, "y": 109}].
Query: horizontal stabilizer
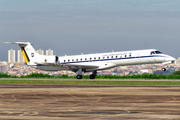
[{"x": 18, "y": 43}]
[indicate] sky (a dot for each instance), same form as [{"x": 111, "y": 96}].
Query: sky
[{"x": 72, "y": 27}]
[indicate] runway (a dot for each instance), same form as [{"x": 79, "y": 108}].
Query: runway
[
  {"x": 62, "y": 79},
  {"x": 79, "y": 102}
]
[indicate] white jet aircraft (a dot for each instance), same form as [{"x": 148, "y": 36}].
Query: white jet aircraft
[{"x": 91, "y": 62}]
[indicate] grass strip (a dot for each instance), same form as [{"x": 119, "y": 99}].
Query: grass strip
[
  {"x": 90, "y": 82},
  {"x": 176, "y": 75}
]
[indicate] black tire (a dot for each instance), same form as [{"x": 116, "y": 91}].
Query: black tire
[
  {"x": 79, "y": 76},
  {"x": 92, "y": 77},
  {"x": 163, "y": 69}
]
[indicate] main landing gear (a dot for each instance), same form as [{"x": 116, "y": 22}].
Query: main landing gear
[
  {"x": 93, "y": 75},
  {"x": 79, "y": 74}
]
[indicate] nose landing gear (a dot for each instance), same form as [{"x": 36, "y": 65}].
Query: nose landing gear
[{"x": 163, "y": 69}]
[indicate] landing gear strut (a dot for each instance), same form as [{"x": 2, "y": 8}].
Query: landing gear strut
[
  {"x": 79, "y": 73},
  {"x": 93, "y": 75}
]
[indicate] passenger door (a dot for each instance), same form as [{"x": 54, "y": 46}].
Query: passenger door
[{"x": 138, "y": 60}]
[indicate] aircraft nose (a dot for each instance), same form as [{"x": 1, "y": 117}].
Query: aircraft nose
[{"x": 170, "y": 58}]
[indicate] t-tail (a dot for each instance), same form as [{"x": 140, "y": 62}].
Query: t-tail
[{"x": 29, "y": 53}]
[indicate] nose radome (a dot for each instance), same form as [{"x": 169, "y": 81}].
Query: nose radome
[{"x": 172, "y": 59}]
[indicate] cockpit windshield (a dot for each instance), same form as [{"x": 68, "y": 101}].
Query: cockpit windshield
[
  {"x": 155, "y": 52},
  {"x": 158, "y": 52}
]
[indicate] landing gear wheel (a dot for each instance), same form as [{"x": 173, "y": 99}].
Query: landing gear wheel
[
  {"x": 163, "y": 69},
  {"x": 92, "y": 77},
  {"x": 79, "y": 76}
]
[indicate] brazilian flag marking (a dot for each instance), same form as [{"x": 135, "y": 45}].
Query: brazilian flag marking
[{"x": 26, "y": 58}]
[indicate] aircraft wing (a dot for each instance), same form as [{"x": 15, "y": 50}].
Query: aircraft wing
[
  {"x": 81, "y": 66},
  {"x": 73, "y": 66}
]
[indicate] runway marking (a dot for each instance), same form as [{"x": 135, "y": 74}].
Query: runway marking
[
  {"x": 14, "y": 98},
  {"x": 99, "y": 98},
  {"x": 128, "y": 111},
  {"x": 174, "y": 98},
  {"x": 68, "y": 93},
  {"x": 2, "y": 95},
  {"x": 171, "y": 101},
  {"x": 133, "y": 105},
  {"x": 55, "y": 99},
  {"x": 37, "y": 96},
  {"x": 88, "y": 95},
  {"x": 28, "y": 113}
]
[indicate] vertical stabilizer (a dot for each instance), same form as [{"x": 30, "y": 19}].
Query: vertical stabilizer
[{"x": 28, "y": 52}]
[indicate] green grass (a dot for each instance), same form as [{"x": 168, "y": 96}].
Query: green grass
[
  {"x": 176, "y": 75},
  {"x": 89, "y": 82}
]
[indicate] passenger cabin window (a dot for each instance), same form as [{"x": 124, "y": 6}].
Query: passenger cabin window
[
  {"x": 103, "y": 57},
  {"x": 64, "y": 60},
  {"x": 99, "y": 58},
  {"x": 95, "y": 58},
  {"x": 72, "y": 59},
  {"x": 111, "y": 56},
  {"x": 125, "y": 56},
  {"x": 68, "y": 60},
  {"x": 129, "y": 55},
  {"x": 107, "y": 57},
  {"x": 76, "y": 59},
  {"x": 81, "y": 59},
  {"x": 116, "y": 56},
  {"x": 90, "y": 58},
  {"x": 85, "y": 58}
]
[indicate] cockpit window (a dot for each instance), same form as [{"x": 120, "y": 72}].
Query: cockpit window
[
  {"x": 155, "y": 52},
  {"x": 158, "y": 52},
  {"x": 152, "y": 53}
]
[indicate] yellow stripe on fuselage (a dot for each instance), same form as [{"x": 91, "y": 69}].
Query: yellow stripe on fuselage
[{"x": 24, "y": 54}]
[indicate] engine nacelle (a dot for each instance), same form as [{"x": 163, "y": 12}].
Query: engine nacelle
[{"x": 45, "y": 59}]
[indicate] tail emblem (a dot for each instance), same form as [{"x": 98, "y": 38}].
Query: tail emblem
[{"x": 32, "y": 54}]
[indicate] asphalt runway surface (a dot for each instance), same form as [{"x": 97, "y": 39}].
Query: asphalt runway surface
[{"x": 79, "y": 102}]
